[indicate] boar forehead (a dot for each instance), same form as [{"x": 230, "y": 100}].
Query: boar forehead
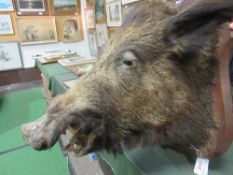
[{"x": 141, "y": 33}]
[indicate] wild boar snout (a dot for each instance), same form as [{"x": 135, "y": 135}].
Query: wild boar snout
[{"x": 42, "y": 133}]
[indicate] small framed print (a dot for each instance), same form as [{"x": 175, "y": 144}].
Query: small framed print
[
  {"x": 61, "y": 7},
  {"x": 33, "y": 30},
  {"x": 6, "y": 27},
  {"x": 69, "y": 28},
  {"x": 112, "y": 31},
  {"x": 90, "y": 2},
  {"x": 101, "y": 34},
  {"x": 114, "y": 14},
  {"x": 92, "y": 43},
  {"x": 100, "y": 13},
  {"x": 10, "y": 56},
  {"x": 179, "y": 1},
  {"x": 124, "y": 2},
  {"x": 107, "y": 1},
  {"x": 31, "y": 7},
  {"x": 90, "y": 17},
  {"x": 6, "y": 6}
]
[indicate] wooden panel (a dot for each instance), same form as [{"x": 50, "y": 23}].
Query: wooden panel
[{"x": 21, "y": 75}]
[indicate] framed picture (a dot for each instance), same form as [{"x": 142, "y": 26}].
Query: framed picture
[
  {"x": 90, "y": 2},
  {"x": 69, "y": 28},
  {"x": 114, "y": 15},
  {"x": 90, "y": 17},
  {"x": 92, "y": 42},
  {"x": 6, "y": 27},
  {"x": 61, "y": 7},
  {"x": 112, "y": 31},
  {"x": 6, "y": 6},
  {"x": 179, "y": 1},
  {"x": 107, "y": 1},
  {"x": 31, "y": 7},
  {"x": 100, "y": 11},
  {"x": 101, "y": 34},
  {"x": 10, "y": 56},
  {"x": 124, "y": 2},
  {"x": 33, "y": 30}
]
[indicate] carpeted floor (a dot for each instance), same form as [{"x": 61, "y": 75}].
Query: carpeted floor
[{"x": 15, "y": 109}]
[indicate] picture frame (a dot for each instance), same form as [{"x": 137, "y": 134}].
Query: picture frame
[
  {"x": 92, "y": 42},
  {"x": 61, "y": 7},
  {"x": 101, "y": 34},
  {"x": 125, "y": 2},
  {"x": 90, "y": 2},
  {"x": 90, "y": 17},
  {"x": 179, "y": 1},
  {"x": 107, "y": 1},
  {"x": 6, "y": 6},
  {"x": 114, "y": 13},
  {"x": 69, "y": 28},
  {"x": 6, "y": 27},
  {"x": 100, "y": 11},
  {"x": 31, "y": 32},
  {"x": 112, "y": 31},
  {"x": 10, "y": 56},
  {"x": 31, "y": 7}
]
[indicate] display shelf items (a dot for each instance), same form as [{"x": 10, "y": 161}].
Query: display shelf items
[
  {"x": 61, "y": 7},
  {"x": 6, "y": 6},
  {"x": 10, "y": 56},
  {"x": 31, "y": 7},
  {"x": 6, "y": 27},
  {"x": 33, "y": 30},
  {"x": 69, "y": 28},
  {"x": 114, "y": 14}
]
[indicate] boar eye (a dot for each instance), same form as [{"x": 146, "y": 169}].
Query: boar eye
[
  {"x": 129, "y": 59},
  {"x": 128, "y": 62}
]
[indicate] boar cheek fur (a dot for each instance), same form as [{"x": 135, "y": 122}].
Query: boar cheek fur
[{"x": 166, "y": 97}]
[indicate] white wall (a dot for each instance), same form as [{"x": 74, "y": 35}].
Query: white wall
[{"x": 81, "y": 48}]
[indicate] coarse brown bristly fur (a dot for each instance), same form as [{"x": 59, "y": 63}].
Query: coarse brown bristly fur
[{"x": 152, "y": 84}]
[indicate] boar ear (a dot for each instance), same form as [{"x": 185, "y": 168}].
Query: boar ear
[{"x": 201, "y": 19}]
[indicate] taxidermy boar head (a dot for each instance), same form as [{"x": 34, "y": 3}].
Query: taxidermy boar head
[{"x": 152, "y": 84}]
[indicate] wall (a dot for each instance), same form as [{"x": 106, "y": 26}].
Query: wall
[{"x": 28, "y": 51}]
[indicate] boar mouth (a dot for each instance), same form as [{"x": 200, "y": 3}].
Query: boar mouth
[{"x": 43, "y": 133}]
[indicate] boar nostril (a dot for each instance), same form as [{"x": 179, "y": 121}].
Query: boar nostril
[{"x": 43, "y": 145}]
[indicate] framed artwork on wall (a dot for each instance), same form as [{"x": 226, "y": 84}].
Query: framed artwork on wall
[
  {"x": 90, "y": 2},
  {"x": 114, "y": 14},
  {"x": 90, "y": 17},
  {"x": 6, "y": 27},
  {"x": 6, "y": 6},
  {"x": 112, "y": 31},
  {"x": 31, "y": 7},
  {"x": 92, "y": 43},
  {"x": 101, "y": 34},
  {"x": 31, "y": 32},
  {"x": 179, "y": 1},
  {"x": 61, "y": 7},
  {"x": 10, "y": 56},
  {"x": 100, "y": 11},
  {"x": 69, "y": 28},
  {"x": 124, "y": 2}
]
